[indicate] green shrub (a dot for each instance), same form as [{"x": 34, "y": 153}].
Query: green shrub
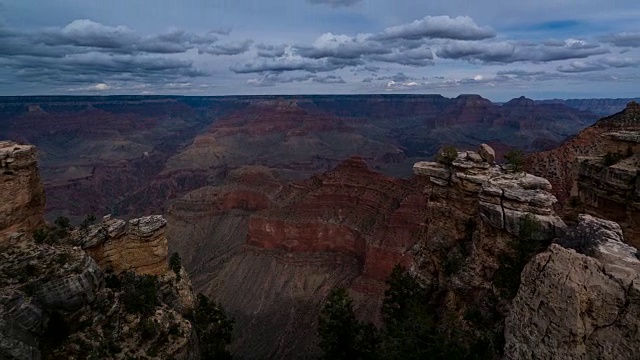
[
  {"x": 447, "y": 155},
  {"x": 140, "y": 293},
  {"x": 515, "y": 160},
  {"x": 583, "y": 238},
  {"x": 62, "y": 222},
  {"x": 213, "y": 329},
  {"x": 148, "y": 329},
  {"x": 527, "y": 244},
  {"x": 174, "y": 264},
  {"x": 40, "y": 235}
]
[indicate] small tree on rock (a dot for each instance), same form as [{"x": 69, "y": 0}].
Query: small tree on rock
[
  {"x": 447, "y": 155},
  {"x": 515, "y": 159}
]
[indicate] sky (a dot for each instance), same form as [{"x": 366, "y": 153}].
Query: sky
[{"x": 499, "y": 49}]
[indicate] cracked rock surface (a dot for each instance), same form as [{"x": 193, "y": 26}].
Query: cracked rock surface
[{"x": 572, "y": 306}]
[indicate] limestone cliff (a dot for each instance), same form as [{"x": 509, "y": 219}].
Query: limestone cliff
[
  {"x": 597, "y": 171},
  {"x": 21, "y": 192},
  {"x": 572, "y": 306},
  {"x": 138, "y": 245}
]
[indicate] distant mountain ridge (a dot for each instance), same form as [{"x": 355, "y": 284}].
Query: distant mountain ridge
[{"x": 602, "y": 107}]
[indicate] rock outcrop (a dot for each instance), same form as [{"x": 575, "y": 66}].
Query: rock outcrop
[
  {"x": 502, "y": 198},
  {"x": 22, "y": 196},
  {"x": 57, "y": 301},
  {"x": 139, "y": 245},
  {"x": 54, "y": 302},
  {"x": 572, "y": 306},
  {"x": 597, "y": 171}
]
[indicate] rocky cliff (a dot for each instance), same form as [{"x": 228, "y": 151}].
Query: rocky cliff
[
  {"x": 22, "y": 197},
  {"x": 139, "y": 245},
  {"x": 572, "y": 306},
  {"x": 597, "y": 171},
  {"x": 87, "y": 294}
]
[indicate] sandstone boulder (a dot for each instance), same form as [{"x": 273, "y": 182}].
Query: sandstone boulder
[
  {"x": 487, "y": 153},
  {"x": 572, "y": 306}
]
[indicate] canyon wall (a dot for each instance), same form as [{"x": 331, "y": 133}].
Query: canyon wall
[
  {"x": 597, "y": 171},
  {"x": 22, "y": 198}
]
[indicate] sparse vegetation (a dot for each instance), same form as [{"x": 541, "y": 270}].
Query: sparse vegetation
[
  {"x": 527, "y": 244},
  {"x": 62, "y": 222},
  {"x": 584, "y": 239},
  {"x": 515, "y": 160},
  {"x": 140, "y": 293},
  {"x": 175, "y": 264},
  {"x": 447, "y": 155},
  {"x": 213, "y": 329},
  {"x": 89, "y": 220}
]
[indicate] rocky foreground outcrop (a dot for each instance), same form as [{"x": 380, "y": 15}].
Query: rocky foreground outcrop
[
  {"x": 55, "y": 304},
  {"x": 138, "y": 245},
  {"x": 22, "y": 196},
  {"x": 90, "y": 294},
  {"x": 572, "y": 306}
]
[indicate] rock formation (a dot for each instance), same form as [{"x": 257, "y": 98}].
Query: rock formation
[
  {"x": 57, "y": 302},
  {"x": 22, "y": 197},
  {"x": 53, "y": 299},
  {"x": 139, "y": 245},
  {"x": 572, "y": 306},
  {"x": 597, "y": 171}
]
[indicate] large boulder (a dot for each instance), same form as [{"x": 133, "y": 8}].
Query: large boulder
[{"x": 572, "y": 306}]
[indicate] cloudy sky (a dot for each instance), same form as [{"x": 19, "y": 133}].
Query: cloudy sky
[{"x": 498, "y": 49}]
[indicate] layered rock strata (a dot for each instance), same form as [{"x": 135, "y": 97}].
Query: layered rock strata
[
  {"x": 138, "y": 245},
  {"x": 572, "y": 306},
  {"x": 502, "y": 198},
  {"x": 22, "y": 196}
]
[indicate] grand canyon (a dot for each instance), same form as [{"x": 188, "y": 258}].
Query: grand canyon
[{"x": 273, "y": 201}]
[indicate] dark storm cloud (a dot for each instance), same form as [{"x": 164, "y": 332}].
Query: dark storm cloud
[
  {"x": 334, "y": 3},
  {"x": 624, "y": 39},
  {"x": 271, "y": 79},
  {"x": 342, "y": 47},
  {"x": 403, "y": 45},
  {"x": 598, "y": 65},
  {"x": 227, "y": 49},
  {"x": 439, "y": 27},
  {"x": 413, "y": 57},
  {"x": 509, "y": 51},
  {"x": 270, "y": 50},
  {"x": 90, "y": 52}
]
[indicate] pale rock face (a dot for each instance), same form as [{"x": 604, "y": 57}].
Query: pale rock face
[
  {"x": 572, "y": 306},
  {"x": 140, "y": 247},
  {"x": 503, "y": 198},
  {"x": 21, "y": 191},
  {"x": 487, "y": 153}
]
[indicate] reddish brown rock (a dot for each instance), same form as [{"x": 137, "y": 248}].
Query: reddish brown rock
[
  {"x": 21, "y": 191},
  {"x": 583, "y": 182}
]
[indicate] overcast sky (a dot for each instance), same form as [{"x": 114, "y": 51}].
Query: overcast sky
[{"x": 498, "y": 49}]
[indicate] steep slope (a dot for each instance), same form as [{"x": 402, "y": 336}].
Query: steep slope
[
  {"x": 597, "y": 171},
  {"x": 272, "y": 262}
]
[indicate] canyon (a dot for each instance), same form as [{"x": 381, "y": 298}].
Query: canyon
[
  {"x": 134, "y": 155},
  {"x": 273, "y": 201}
]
